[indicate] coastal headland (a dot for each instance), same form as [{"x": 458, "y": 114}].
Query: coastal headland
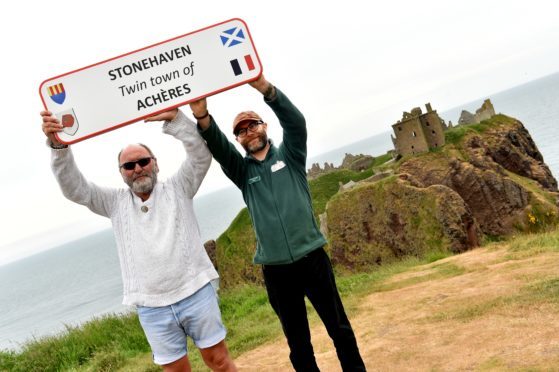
[{"x": 447, "y": 260}]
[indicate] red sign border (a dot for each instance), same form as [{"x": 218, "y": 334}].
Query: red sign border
[{"x": 162, "y": 110}]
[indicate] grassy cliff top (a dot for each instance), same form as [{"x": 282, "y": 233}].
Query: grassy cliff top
[{"x": 447, "y": 300}]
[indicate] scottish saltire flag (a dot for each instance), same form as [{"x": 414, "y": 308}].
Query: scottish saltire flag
[
  {"x": 57, "y": 93},
  {"x": 247, "y": 66},
  {"x": 233, "y": 36}
]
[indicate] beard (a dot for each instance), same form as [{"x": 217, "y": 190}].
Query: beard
[
  {"x": 252, "y": 146},
  {"x": 143, "y": 184}
]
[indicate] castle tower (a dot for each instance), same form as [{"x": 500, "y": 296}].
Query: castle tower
[{"x": 417, "y": 132}]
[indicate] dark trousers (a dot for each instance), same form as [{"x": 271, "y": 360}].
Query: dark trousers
[{"x": 287, "y": 286}]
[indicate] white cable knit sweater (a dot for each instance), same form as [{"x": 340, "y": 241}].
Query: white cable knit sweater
[{"x": 162, "y": 258}]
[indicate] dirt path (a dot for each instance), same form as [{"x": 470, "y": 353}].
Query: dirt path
[{"x": 481, "y": 317}]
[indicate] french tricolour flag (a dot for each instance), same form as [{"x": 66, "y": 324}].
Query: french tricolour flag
[{"x": 241, "y": 65}]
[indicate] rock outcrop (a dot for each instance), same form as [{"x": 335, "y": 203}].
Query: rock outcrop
[
  {"x": 211, "y": 249},
  {"x": 513, "y": 148},
  {"x": 491, "y": 181},
  {"x": 352, "y": 162},
  {"x": 497, "y": 201},
  {"x": 315, "y": 170},
  {"x": 393, "y": 218},
  {"x": 357, "y": 162},
  {"x": 484, "y": 180}
]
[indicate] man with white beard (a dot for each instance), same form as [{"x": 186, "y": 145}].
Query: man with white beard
[{"x": 166, "y": 272}]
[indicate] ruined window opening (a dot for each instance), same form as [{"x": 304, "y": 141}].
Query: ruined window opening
[
  {"x": 399, "y": 128},
  {"x": 413, "y": 134}
]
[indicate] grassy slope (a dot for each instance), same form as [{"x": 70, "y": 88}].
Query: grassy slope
[
  {"x": 113, "y": 343},
  {"x": 492, "y": 308}
]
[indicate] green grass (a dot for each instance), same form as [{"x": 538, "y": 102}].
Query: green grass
[
  {"x": 433, "y": 256},
  {"x": 540, "y": 292},
  {"x": 249, "y": 319},
  {"x": 107, "y": 343},
  {"x": 439, "y": 272},
  {"x": 236, "y": 248},
  {"x": 470, "y": 312},
  {"x": 104, "y": 341},
  {"x": 456, "y": 134},
  {"x": 325, "y": 186},
  {"x": 532, "y": 244},
  {"x": 536, "y": 291},
  {"x": 238, "y": 231},
  {"x": 380, "y": 160},
  {"x": 117, "y": 342}
]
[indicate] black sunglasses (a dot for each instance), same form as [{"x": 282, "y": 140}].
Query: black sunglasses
[{"x": 130, "y": 165}]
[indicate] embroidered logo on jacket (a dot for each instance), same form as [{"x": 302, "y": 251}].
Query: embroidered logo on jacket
[{"x": 279, "y": 165}]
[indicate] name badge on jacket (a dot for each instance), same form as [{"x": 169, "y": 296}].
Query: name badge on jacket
[
  {"x": 253, "y": 180},
  {"x": 279, "y": 165}
]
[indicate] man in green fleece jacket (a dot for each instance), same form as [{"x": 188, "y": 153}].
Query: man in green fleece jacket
[{"x": 289, "y": 243}]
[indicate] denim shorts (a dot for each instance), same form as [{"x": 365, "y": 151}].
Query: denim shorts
[{"x": 166, "y": 327}]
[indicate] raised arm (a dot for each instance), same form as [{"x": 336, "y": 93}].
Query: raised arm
[
  {"x": 291, "y": 119},
  {"x": 73, "y": 184},
  {"x": 198, "y": 157},
  {"x": 223, "y": 151}
]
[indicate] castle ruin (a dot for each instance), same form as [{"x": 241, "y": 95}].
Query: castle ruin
[
  {"x": 418, "y": 132},
  {"x": 486, "y": 111}
]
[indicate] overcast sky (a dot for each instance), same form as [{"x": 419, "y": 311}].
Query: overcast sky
[{"x": 351, "y": 68}]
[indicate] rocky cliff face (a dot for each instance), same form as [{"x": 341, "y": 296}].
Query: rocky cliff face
[
  {"x": 382, "y": 221},
  {"x": 492, "y": 181},
  {"x": 482, "y": 171},
  {"x": 512, "y": 147}
]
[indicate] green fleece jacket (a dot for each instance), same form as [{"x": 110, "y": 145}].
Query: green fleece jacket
[{"x": 275, "y": 189}]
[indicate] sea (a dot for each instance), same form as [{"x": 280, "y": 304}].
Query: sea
[{"x": 46, "y": 293}]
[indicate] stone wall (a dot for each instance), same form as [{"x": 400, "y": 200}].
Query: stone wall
[
  {"x": 433, "y": 129},
  {"x": 410, "y": 138},
  {"x": 418, "y": 132},
  {"x": 486, "y": 111},
  {"x": 315, "y": 170},
  {"x": 352, "y": 162}
]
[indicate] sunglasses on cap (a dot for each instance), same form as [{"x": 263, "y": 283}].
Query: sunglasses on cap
[
  {"x": 130, "y": 165},
  {"x": 250, "y": 127}
]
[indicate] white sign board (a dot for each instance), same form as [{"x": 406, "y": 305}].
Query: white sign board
[{"x": 125, "y": 89}]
